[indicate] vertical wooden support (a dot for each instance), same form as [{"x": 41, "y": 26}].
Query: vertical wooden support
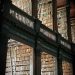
[
  {"x": 3, "y": 53},
  {"x": 6, "y": 7},
  {"x": 73, "y": 61},
  {"x": 59, "y": 56},
  {"x": 59, "y": 64},
  {"x": 37, "y": 54},
  {"x": 68, "y": 20},
  {"x": 34, "y": 8},
  {"x": 37, "y": 62},
  {"x": 3, "y": 38},
  {"x": 1, "y": 13},
  {"x": 3, "y": 42},
  {"x": 55, "y": 27}
]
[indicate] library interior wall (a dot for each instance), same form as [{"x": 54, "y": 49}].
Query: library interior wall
[{"x": 19, "y": 55}]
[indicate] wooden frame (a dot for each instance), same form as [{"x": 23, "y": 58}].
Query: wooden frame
[{"x": 34, "y": 38}]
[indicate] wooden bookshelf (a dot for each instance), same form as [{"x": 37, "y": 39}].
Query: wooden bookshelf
[
  {"x": 19, "y": 59},
  {"x": 48, "y": 64},
  {"x": 67, "y": 68},
  {"x": 45, "y": 12}
]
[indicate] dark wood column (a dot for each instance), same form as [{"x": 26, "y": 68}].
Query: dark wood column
[
  {"x": 59, "y": 56},
  {"x": 1, "y": 13},
  {"x": 34, "y": 8},
  {"x": 37, "y": 54},
  {"x": 37, "y": 70},
  {"x": 68, "y": 20},
  {"x": 3, "y": 38},
  {"x": 55, "y": 27},
  {"x": 59, "y": 65},
  {"x": 3, "y": 52},
  {"x": 73, "y": 62}
]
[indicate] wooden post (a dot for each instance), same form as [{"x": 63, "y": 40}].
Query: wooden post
[
  {"x": 59, "y": 57},
  {"x": 68, "y": 20},
  {"x": 37, "y": 54},
  {"x": 34, "y": 8},
  {"x": 59, "y": 64},
  {"x": 1, "y": 13},
  {"x": 73, "y": 61},
  {"x": 3, "y": 52},
  {"x": 3, "y": 38},
  {"x": 55, "y": 27}
]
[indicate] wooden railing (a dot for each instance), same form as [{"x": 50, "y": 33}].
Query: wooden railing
[
  {"x": 22, "y": 19},
  {"x": 47, "y": 32},
  {"x": 65, "y": 43},
  {"x": 16, "y": 14}
]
